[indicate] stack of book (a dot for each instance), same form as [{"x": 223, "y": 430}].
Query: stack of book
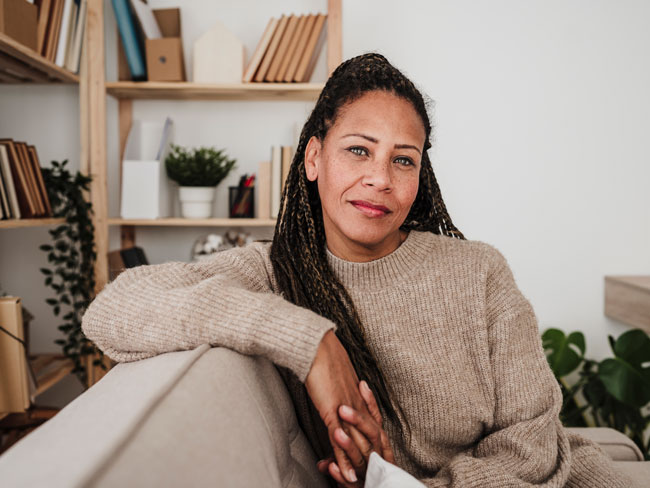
[
  {"x": 288, "y": 49},
  {"x": 22, "y": 190},
  {"x": 60, "y": 31},
  {"x": 270, "y": 181}
]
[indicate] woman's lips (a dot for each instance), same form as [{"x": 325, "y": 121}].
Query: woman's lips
[{"x": 369, "y": 210}]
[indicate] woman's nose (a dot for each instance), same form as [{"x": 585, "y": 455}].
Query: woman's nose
[{"x": 378, "y": 174}]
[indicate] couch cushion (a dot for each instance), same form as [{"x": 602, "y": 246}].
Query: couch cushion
[
  {"x": 616, "y": 444},
  {"x": 70, "y": 448},
  {"x": 229, "y": 421},
  {"x": 204, "y": 417}
]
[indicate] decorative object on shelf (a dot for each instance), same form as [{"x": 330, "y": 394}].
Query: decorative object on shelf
[
  {"x": 218, "y": 56},
  {"x": 241, "y": 198},
  {"x": 72, "y": 258},
  {"x": 164, "y": 55},
  {"x": 198, "y": 172},
  {"x": 616, "y": 390},
  {"x": 212, "y": 243},
  {"x": 146, "y": 189}
]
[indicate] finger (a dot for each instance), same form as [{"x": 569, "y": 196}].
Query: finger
[
  {"x": 335, "y": 473},
  {"x": 323, "y": 464},
  {"x": 362, "y": 443},
  {"x": 387, "y": 451},
  {"x": 371, "y": 403},
  {"x": 364, "y": 423},
  {"x": 341, "y": 455},
  {"x": 354, "y": 453}
]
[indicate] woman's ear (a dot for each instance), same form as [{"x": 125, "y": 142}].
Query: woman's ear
[{"x": 312, "y": 158}]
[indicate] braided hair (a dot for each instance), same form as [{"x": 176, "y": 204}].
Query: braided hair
[{"x": 298, "y": 251}]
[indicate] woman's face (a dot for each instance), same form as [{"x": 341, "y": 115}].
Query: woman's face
[{"x": 372, "y": 154}]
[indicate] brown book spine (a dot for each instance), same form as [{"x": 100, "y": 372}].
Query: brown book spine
[
  {"x": 43, "y": 16},
  {"x": 39, "y": 178},
  {"x": 273, "y": 47},
  {"x": 262, "y": 46},
  {"x": 300, "y": 49},
  {"x": 291, "y": 50},
  {"x": 56, "y": 29},
  {"x": 31, "y": 177},
  {"x": 282, "y": 48},
  {"x": 310, "y": 49},
  {"x": 27, "y": 208}
]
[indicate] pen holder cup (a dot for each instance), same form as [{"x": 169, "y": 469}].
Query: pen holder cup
[{"x": 241, "y": 202}]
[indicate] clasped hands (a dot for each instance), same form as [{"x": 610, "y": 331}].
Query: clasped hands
[{"x": 350, "y": 413}]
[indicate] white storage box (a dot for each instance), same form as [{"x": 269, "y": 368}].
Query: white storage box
[{"x": 146, "y": 190}]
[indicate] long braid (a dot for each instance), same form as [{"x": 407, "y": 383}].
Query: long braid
[{"x": 298, "y": 251}]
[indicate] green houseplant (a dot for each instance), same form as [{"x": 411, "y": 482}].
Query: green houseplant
[
  {"x": 197, "y": 172},
  {"x": 615, "y": 390},
  {"x": 72, "y": 257}
]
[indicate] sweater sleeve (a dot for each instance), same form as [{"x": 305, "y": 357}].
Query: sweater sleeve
[
  {"x": 526, "y": 445},
  {"x": 226, "y": 301}
]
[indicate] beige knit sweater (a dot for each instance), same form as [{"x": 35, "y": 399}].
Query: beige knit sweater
[{"x": 455, "y": 336}]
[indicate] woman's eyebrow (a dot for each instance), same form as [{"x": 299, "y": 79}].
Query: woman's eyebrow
[{"x": 372, "y": 139}]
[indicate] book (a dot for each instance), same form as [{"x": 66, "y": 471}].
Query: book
[
  {"x": 282, "y": 48},
  {"x": 41, "y": 28},
  {"x": 121, "y": 259},
  {"x": 272, "y": 49},
  {"x": 31, "y": 178},
  {"x": 14, "y": 384},
  {"x": 75, "y": 58},
  {"x": 27, "y": 208},
  {"x": 5, "y": 168},
  {"x": 312, "y": 50},
  {"x": 64, "y": 34},
  {"x": 300, "y": 48},
  {"x": 39, "y": 178},
  {"x": 287, "y": 153},
  {"x": 260, "y": 50},
  {"x": 71, "y": 32},
  {"x": 146, "y": 19},
  {"x": 291, "y": 49},
  {"x": 130, "y": 41},
  {"x": 276, "y": 180},
  {"x": 54, "y": 29},
  {"x": 263, "y": 197},
  {"x": 5, "y": 208}
]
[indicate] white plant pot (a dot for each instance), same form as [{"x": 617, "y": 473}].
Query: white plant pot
[{"x": 196, "y": 201}]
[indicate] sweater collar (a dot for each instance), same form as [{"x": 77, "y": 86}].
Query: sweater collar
[{"x": 386, "y": 271}]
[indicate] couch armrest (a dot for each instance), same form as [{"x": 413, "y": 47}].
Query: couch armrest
[{"x": 617, "y": 445}]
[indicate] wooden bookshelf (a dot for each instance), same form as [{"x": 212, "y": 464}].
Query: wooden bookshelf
[
  {"x": 159, "y": 90},
  {"x": 183, "y": 222},
  {"x": 20, "y": 64},
  {"x": 22, "y": 223}
]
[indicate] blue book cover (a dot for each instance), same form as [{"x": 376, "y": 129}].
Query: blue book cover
[{"x": 128, "y": 33}]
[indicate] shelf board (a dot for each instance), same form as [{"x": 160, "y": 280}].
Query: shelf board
[
  {"x": 49, "y": 370},
  {"x": 16, "y": 223},
  {"x": 182, "y": 222},
  {"x": 169, "y": 90},
  {"x": 20, "y": 64}
]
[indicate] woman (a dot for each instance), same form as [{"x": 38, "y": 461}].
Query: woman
[{"x": 367, "y": 278}]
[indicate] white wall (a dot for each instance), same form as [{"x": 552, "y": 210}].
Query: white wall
[{"x": 539, "y": 149}]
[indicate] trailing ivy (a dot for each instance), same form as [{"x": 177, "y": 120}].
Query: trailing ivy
[{"x": 72, "y": 258}]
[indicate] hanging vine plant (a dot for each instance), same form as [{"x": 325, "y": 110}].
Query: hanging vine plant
[{"x": 72, "y": 258}]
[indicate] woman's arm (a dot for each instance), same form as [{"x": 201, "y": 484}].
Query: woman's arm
[
  {"x": 224, "y": 301},
  {"x": 527, "y": 445}
]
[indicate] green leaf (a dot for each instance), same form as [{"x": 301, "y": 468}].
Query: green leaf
[{"x": 566, "y": 352}]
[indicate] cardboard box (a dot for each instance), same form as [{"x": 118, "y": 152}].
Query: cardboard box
[
  {"x": 165, "y": 56},
  {"x": 18, "y": 20}
]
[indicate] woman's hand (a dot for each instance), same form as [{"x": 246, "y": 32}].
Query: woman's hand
[
  {"x": 362, "y": 429},
  {"x": 332, "y": 382}
]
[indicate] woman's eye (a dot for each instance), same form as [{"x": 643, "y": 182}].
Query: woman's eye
[
  {"x": 356, "y": 148},
  {"x": 407, "y": 161}
]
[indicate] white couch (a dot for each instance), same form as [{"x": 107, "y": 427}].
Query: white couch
[{"x": 203, "y": 417}]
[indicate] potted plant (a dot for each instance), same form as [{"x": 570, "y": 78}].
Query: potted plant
[{"x": 197, "y": 172}]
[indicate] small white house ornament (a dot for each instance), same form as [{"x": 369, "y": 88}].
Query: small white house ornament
[{"x": 218, "y": 56}]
